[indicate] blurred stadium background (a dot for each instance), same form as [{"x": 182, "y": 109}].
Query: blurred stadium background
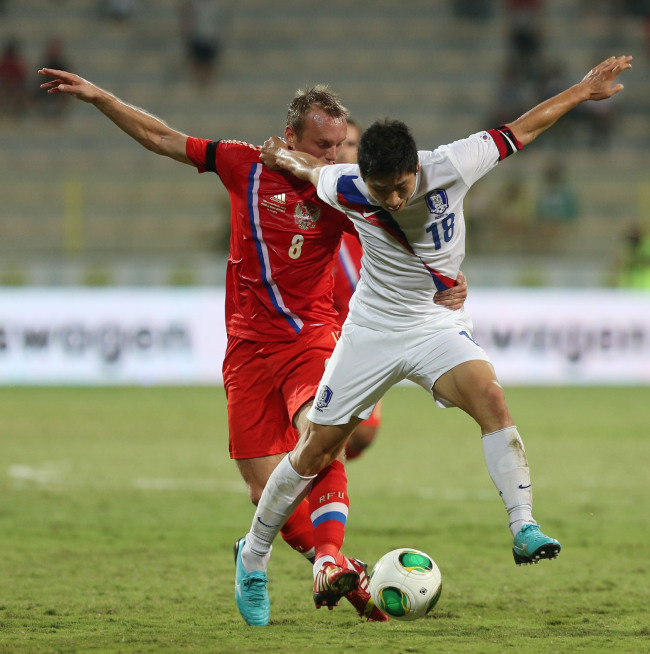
[
  {"x": 120, "y": 505},
  {"x": 84, "y": 206}
]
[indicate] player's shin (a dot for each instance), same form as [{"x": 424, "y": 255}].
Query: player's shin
[
  {"x": 282, "y": 494},
  {"x": 508, "y": 467}
]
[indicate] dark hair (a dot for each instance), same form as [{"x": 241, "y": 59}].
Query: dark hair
[
  {"x": 315, "y": 96},
  {"x": 387, "y": 147}
]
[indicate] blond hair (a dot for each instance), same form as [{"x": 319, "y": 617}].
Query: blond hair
[{"x": 314, "y": 96}]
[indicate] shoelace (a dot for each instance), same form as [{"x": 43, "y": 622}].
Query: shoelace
[
  {"x": 255, "y": 588},
  {"x": 530, "y": 529}
]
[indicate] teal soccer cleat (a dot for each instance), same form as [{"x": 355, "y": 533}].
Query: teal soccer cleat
[
  {"x": 531, "y": 545},
  {"x": 250, "y": 592}
]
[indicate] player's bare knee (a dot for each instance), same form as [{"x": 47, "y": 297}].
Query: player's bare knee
[
  {"x": 498, "y": 413},
  {"x": 254, "y": 494}
]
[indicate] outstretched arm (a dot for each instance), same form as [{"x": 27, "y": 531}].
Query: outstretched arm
[
  {"x": 597, "y": 84},
  {"x": 276, "y": 155},
  {"x": 146, "y": 129}
]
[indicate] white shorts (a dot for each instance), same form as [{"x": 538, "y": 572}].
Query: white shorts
[{"x": 366, "y": 362}]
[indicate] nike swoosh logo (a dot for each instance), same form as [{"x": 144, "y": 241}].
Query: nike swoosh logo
[
  {"x": 366, "y": 214},
  {"x": 265, "y": 525},
  {"x": 524, "y": 487}
]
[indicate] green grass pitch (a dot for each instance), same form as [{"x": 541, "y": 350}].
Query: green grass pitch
[{"x": 119, "y": 508}]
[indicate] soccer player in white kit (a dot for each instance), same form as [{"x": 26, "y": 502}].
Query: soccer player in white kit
[{"x": 407, "y": 208}]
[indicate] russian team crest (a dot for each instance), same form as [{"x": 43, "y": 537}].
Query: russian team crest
[
  {"x": 437, "y": 201},
  {"x": 324, "y": 397},
  {"x": 306, "y": 215}
]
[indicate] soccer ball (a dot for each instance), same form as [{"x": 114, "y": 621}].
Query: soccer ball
[{"x": 405, "y": 584}]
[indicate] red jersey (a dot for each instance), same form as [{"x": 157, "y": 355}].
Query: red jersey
[
  {"x": 346, "y": 273},
  {"x": 282, "y": 244}
]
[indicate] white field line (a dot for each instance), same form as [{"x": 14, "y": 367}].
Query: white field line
[
  {"x": 46, "y": 474},
  {"x": 56, "y": 474}
]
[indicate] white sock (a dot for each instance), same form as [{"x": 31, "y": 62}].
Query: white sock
[
  {"x": 508, "y": 467},
  {"x": 283, "y": 492}
]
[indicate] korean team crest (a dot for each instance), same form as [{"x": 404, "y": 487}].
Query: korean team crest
[
  {"x": 306, "y": 215},
  {"x": 437, "y": 201},
  {"x": 324, "y": 397}
]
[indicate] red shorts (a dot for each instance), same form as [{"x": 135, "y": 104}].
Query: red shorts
[{"x": 266, "y": 384}]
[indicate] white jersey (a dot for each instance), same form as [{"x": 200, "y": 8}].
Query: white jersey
[{"x": 410, "y": 255}]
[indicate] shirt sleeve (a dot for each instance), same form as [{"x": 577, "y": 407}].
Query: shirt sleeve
[
  {"x": 338, "y": 187},
  {"x": 479, "y": 153},
  {"x": 202, "y": 153},
  {"x": 327, "y": 184},
  {"x": 507, "y": 143}
]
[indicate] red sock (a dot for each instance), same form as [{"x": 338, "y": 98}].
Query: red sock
[
  {"x": 328, "y": 505},
  {"x": 298, "y": 531}
]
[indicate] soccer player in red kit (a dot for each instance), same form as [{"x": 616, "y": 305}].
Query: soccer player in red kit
[{"x": 280, "y": 319}]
